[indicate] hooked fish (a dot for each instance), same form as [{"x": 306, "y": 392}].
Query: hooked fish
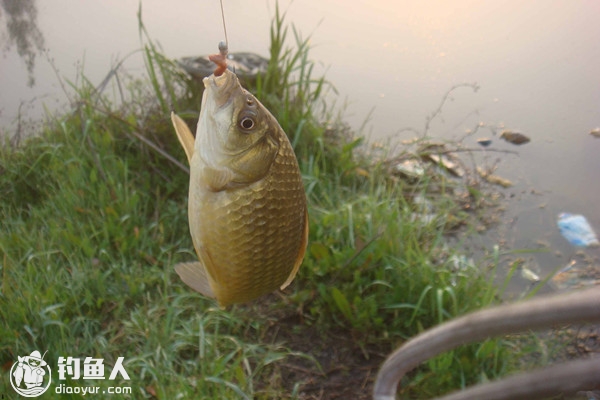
[{"x": 247, "y": 206}]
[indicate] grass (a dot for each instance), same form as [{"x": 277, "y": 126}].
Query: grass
[{"x": 93, "y": 210}]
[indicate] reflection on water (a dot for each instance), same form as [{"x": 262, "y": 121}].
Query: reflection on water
[
  {"x": 20, "y": 17},
  {"x": 536, "y": 63}
]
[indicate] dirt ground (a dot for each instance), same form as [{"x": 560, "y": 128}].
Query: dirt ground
[
  {"x": 329, "y": 365},
  {"x": 332, "y": 365}
]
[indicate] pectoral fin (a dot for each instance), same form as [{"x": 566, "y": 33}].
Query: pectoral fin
[
  {"x": 216, "y": 179},
  {"x": 194, "y": 275},
  {"x": 300, "y": 254},
  {"x": 185, "y": 136}
]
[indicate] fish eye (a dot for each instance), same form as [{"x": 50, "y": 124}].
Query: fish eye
[{"x": 247, "y": 123}]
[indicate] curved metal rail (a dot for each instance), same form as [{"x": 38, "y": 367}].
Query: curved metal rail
[{"x": 543, "y": 312}]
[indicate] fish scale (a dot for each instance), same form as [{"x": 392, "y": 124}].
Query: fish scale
[
  {"x": 246, "y": 273},
  {"x": 264, "y": 230}
]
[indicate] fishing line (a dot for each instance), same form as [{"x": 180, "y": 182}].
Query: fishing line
[{"x": 224, "y": 26}]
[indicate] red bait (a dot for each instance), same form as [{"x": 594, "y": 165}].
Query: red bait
[{"x": 220, "y": 59}]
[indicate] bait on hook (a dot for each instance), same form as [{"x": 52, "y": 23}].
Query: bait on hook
[{"x": 221, "y": 58}]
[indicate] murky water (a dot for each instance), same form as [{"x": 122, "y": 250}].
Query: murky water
[{"x": 537, "y": 64}]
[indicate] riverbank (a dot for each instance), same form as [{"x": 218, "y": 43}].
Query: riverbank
[{"x": 94, "y": 217}]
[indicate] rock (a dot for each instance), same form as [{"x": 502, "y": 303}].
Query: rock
[
  {"x": 246, "y": 65},
  {"x": 485, "y": 142},
  {"x": 514, "y": 137}
]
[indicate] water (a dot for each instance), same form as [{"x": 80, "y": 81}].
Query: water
[{"x": 536, "y": 62}]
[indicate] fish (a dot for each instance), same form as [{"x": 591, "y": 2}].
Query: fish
[{"x": 247, "y": 208}]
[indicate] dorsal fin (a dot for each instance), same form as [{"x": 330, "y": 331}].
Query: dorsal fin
[{"x": 185, "y": 136}]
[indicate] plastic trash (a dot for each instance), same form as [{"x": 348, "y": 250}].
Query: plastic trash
[
  {"x": 577, "y": 230},
  {"x": 529, "y": 275},
  {"x": 576, "y": 275}
]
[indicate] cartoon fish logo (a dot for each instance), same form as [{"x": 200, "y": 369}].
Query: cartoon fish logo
[{"x": 28, "y": 374}]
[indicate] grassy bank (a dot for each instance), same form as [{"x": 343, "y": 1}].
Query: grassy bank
[{"x": 94, "y": 217}]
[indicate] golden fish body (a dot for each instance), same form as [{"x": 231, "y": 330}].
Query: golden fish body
[{"x": 247, "y": 207}]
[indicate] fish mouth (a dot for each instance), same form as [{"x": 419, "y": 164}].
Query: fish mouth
[
  {"x": 217, "y": 115},
  {"x": 221, "y": 89}
]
